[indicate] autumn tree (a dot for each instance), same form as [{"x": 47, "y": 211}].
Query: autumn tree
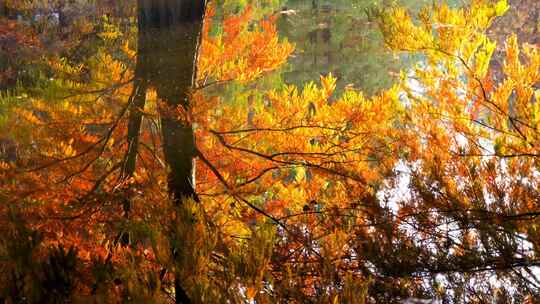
[
  {"x": 441, "y": 207},
  {"x": 159, "y": 23},
  {"x": 85, "y": 181},
  {"x": 301, "y": 194},
  {"x": 472, "y": 203}
]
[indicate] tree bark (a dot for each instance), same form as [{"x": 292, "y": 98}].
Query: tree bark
[
  {"x": 169, "y": 33},
  {"x": 140, "y": 87}
]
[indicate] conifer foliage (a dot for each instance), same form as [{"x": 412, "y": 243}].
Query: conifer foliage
[{"x": 427, "y": 190}]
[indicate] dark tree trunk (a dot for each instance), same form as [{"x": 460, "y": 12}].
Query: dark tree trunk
[
  {"x": 169, "y": 33},
  {"x": 140, "y": 86},
  {"x": 138, "y": 101}
]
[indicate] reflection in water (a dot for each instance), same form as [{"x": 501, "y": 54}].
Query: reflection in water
[
  {"x": 336, "y": 37},
  {"x": 339, "y": 37},
  {"x": 309, "y": 163},
  {"x": 168, "y": 44},
  {"x": 168, "y": 41}
]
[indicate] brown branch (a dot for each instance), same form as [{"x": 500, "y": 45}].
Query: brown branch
[
  {"x": 273, "y": 159},
  {"x": 231, "y": 192}
]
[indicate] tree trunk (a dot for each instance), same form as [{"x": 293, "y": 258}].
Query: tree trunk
[
  {"x": 169, "y": 33},
  {"x": 140, "y": 86}
]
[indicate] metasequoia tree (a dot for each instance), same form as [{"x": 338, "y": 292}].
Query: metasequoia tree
[
  {"x": 472, "y": 203},
  {"x": 87, "y": 194},
  {"x": 464, "y": 226},
  {"x": 427, "y": 189},
  {"x": 169, "y": 34}
]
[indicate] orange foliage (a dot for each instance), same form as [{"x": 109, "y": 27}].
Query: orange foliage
[{"x": 241, "y": 53}]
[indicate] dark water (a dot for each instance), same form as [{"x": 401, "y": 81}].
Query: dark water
[
  {"x": 339, "y": 37},
  {"x": 335, "y": 37}
]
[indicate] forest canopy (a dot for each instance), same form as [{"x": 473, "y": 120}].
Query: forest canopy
[{"x": 269, "y": 151}]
